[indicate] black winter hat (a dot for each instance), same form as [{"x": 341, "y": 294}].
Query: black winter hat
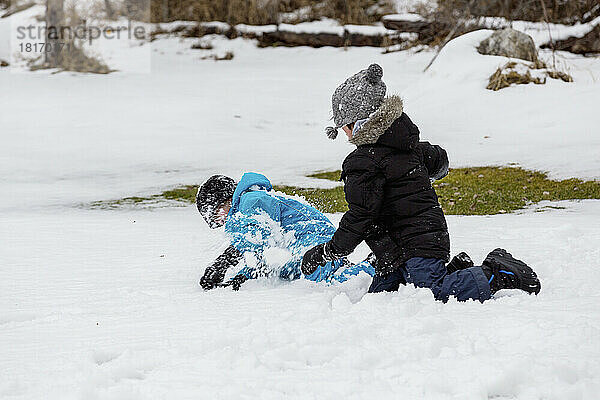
[{"x": 212, "y": 195}]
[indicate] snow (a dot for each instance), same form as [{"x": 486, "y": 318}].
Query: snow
[
  {"x": 174, "y": 25},
  {"x": 539, "y": 31},
  {"x": 410, "y": 6},
  {"x": 370, "y": 30},
  {"x": 411, "y": 17},
  {"x": 328, "y": 25},
  {"x": 256, "y": 29},
  {"x": 105, "y": 304},
  {"x": 324, "y": 25}
]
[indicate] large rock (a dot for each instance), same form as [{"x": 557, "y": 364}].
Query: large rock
[
  {"x": 587, "y": 44},
  {"x": 509, "y": 43}
]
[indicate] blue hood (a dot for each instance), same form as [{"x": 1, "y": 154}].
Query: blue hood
[{"x": 248, "y": 180}]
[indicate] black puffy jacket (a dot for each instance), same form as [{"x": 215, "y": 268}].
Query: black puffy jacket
[{"x": 387, "y": 183}]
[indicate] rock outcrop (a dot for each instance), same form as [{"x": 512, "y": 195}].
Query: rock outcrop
[{"x": 509, "y": 43}]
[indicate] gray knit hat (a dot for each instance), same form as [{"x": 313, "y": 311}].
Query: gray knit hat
[{"x": 357, "y": 98}]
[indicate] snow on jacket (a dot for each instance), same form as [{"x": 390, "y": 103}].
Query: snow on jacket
[
  {"x": 273, "y": 230},
  {"x": 387, "y": 183}
]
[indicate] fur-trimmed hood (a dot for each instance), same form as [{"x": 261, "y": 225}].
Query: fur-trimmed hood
[
  {"x": 390, "y": 110},
  {"x": 388, "y": 126}
]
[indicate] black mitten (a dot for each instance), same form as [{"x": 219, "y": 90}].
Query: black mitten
[
  {"x": 458, "y": 262},
  {"x": 235, "y": 282},
  {"x": 212, "y": 277},
  {"x": 215, "y": 273},
  {"x": 319, "y": 255}
]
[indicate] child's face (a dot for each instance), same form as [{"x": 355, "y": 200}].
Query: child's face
[
  {"x": 221, "y": 214},
  {"x": 348, "y": 129}
]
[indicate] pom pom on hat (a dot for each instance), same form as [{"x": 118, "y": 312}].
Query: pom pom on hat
[
  {"x": 331, "y": 132},
  {"x": 374, "y": 73}
]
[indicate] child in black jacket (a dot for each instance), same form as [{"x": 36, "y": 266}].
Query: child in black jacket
[{"x": 394, "y": 208}]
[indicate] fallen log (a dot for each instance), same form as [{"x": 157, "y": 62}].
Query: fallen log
[
  {"x": 342, "y": 37},
  {"x": 587, "y": 44},
  {"x": 412, "y": 23},
  {"x": 316, "y": 40}
]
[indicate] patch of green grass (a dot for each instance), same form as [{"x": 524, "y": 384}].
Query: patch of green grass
[
  {"x": 496, "y": 190},
  {"x": 325, "y": 200},
  {"x": 465, "y": 191},
  {"x": 477, "y": 191},
  {"x": 329, "y": 175},
  {"x": 182, "y": 193}
]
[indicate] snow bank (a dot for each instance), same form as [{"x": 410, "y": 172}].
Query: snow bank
[
  {"x": 539, "y": 31},
  {"x": 410, "y": 17},
  {"x": 550, "y": 127},
  {"x": 256, "y": 29},
  {"x": 327, "y": 25}
]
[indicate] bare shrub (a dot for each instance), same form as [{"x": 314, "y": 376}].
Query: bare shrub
[
  {"x": 263, "y": 12},
  {"x": 138, "y": 10},
  {"x": 226, "y": 57},
  {"x": 68, "y": 52},
  {"x": 506, "y": 76},
  {"x": 255, "y": 12},
  {"x": 520, "y": 73},
  {"x": 559, "y": 11},
  {"x": 74, "y": 58},
  {"x": 202, "y": 46},
  {"x": 447, "y": 24},
  {"x": 78, "y": 60},
  {"x": 357, "y": 11}
]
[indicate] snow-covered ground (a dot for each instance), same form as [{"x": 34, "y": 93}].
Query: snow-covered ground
[{"x": 104, "y": 304}]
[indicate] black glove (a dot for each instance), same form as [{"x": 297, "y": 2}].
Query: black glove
[
  {"x": 458, "y": 262},
  {"x": 319, "y": 255},
  {"x": 215, "y": 273},
  {"x": 212, "y": 278},
  {"x": 235, "y": 282}
]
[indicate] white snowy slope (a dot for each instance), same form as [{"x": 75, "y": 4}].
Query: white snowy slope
[
  {"x": 551, "y": 127},
  {"x": 104, "y": 304}
]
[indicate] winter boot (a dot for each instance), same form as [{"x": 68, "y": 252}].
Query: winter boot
[
  {"x": 506, "y": 272},
  {"x": 458, "y": 262}
]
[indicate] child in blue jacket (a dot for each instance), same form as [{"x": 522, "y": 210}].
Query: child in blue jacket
[{"x": 267, "y": 230}]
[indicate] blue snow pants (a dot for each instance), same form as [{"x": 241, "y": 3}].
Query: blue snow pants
[{"x": 465, "y": 284}]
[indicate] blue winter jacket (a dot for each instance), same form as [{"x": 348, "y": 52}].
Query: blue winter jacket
[{"x": 260, "y": 221}]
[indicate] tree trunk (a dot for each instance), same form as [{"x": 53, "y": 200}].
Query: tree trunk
[
  {"x": 110, "y": 12},
  {"x": 165, "y": 11},
  {"x": 54, "y": 20}
]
